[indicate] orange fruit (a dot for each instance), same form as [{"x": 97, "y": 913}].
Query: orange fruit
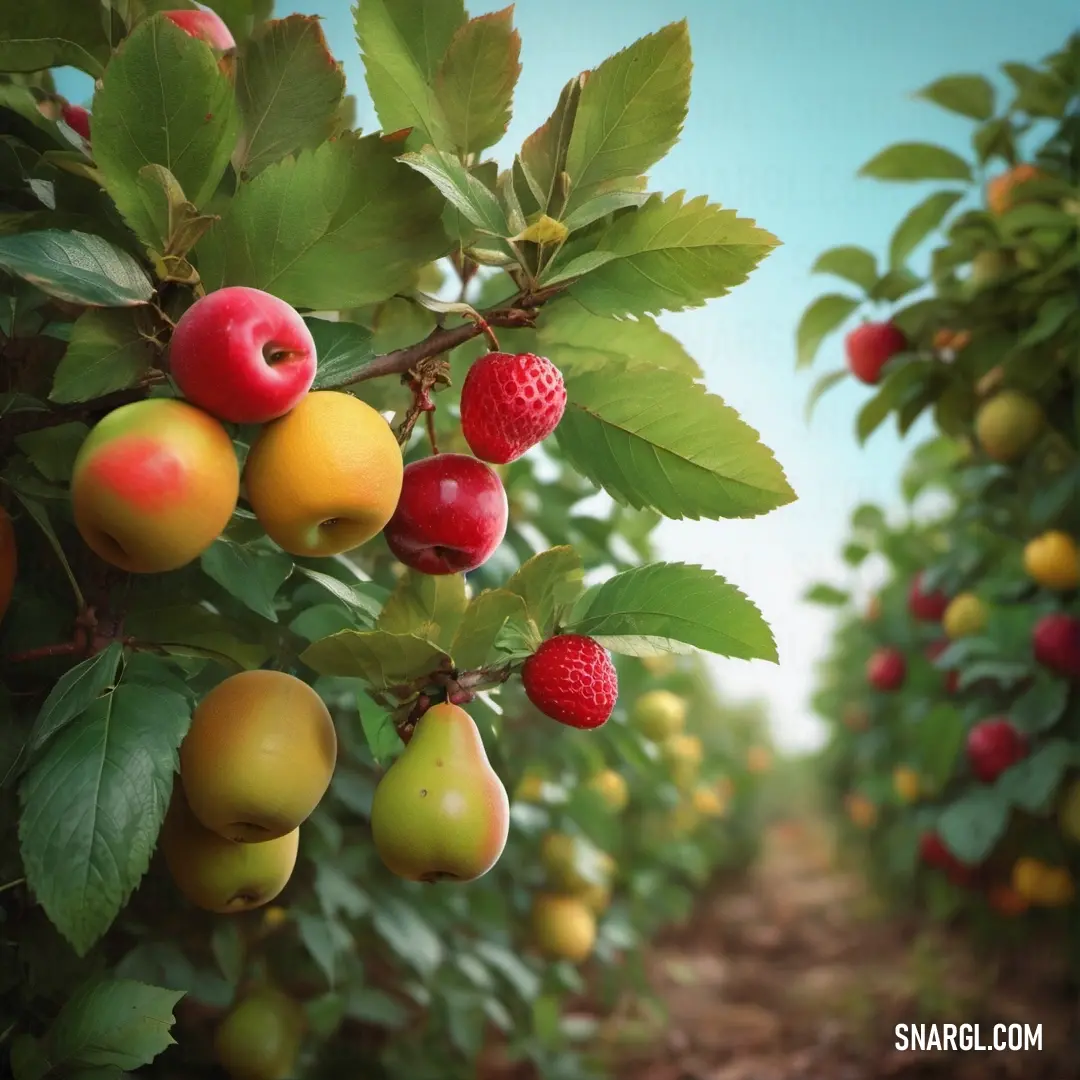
[
  {"x": 1053, "y": 561},
  {"x": 943, "y": 338},
  {"x": 1001, "y": 192},
  {"x": 326, "y": 477}
]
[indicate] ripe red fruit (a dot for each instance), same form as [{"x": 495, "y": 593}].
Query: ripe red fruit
[
  {"x": 993, "y": 746},
  {"x": 450, "y": 517},
  {"x": 509, "y": 403},
  {"x": 242, "y": 355},
  {"x": 870, "y": 347},
  {"x": 78, "y": 119},
  {"x": 207, "y": 25},
  {"x": 572, "y": 679},
  {"x": 1056, "y": 642},
  {"x": 886, "y": 670},
  {"x": 952, "y": 678},
  {"x": 933, "y": 852},
  {"x": 926, "y": 606}
]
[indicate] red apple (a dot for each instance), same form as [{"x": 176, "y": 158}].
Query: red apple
[
  {"x": 1056, "y": 642},
  {"x": 886, "y": 669},
  {"x": 870, "y": 347},
  {"x": 204, "y": 24},
  {"x": 242, "y": 355},
  {"x": 78, "y": 119},
  {"x": 926, "y": 606},
  {"x": 952, "y": 678},
  {"x": 451, "y": 515},
  {"x": 993, "y": 746}
]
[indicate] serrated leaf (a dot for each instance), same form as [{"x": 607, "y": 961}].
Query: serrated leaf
[
  {"x": 825, "y": 595},
  {"x": 971, "y": 826},
  {"x": 572, "y": 338},
  {"x": 334, "y": 228},
  {"x": 381, "y": 733},
  {"x": 115, "y": 1023},
  {"x": 107, "y": 352},
  {"x": 854, "y": 264},
  {"x": 379, "y": 658},
  {"x": 402, "y": 44},
  {"x": 479, "y": 629},
  {"x": 654, "y": 438},
  {"x": 425, "y": 605},
  {"x": 819, "y": 320},
  {"x": 253, "y": 576},
  {"x": 918, "y": 223},
  {"x": 460, "y": 188},
  {"x": 606, "y": 199},
  {"x": 74, "y": 692},
  {"x": 667, "y": 255},
  {"x": 77, "y": 267},
  {"x": 549, "y": 583},
  {"x": 289, "y": 90},
  {"x": 93, "y": 804},
  {"x": 475, "y": 81},
  {"x": 162, "y": 101},
  {"x": 36, "y": 37},
  {"x": 538, "y": 169},
  {"x": 917, "y": 161},
  {"x": 631, "y": 112},
  {"x": 969, "y": 95},
  {"x": 673, "y": 603},
  {"x": 825, "y": 383},
  {"x": 1032, "y": 783}
]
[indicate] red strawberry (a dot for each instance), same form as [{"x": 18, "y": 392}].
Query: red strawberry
[
  {"x": 572, "y": 679},
  {"x": 509, "y": 403},
  {"x": 993, "y": 746},
  {"x": 78, "y": 119},
  {"x": 870, "y": 347}
]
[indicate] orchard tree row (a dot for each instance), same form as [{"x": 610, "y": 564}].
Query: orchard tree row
[
  {"x": 955, "y": 750},
  {"x": 297, "y": 579}
]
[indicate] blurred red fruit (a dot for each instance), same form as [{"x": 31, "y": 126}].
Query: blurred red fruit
[
  {"x": 993, "y": 746},
  {"x": 926, "y": 606},
  {"x": 886, "y": 670}
]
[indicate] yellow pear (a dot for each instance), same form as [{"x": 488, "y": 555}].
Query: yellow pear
[
  {"x": 563, "y": 927},
  {"x": 1008, "y": 425},
  {"x": 611, "y": 787},
  {"x": 260, "y": 1037},
  {"x": 440, "y": 812},
  {"x": 659, "y": 714},
  {"x": 965, "y": 616}
]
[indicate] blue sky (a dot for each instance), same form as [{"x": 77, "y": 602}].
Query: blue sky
[{"x": 789, "y": 99}]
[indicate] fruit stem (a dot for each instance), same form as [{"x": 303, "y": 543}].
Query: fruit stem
[
  {"x": 485, "y": 329},
  {"x": 430, "y": 421}
]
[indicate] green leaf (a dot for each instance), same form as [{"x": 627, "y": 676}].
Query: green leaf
[
  {"x": 475, "y": 81},
  {"x": 163, "y": 101},
  {"x": 855, "y": 554},
  {"x": 402, "y": 43},
  {"x": 631, "y": 112},
  {"x": 549, "y": 583},
  {"x": 1040, "y": 708},
  {"x": 874, "y": 413},
  {"x": 916, "y": 161},
  {"x": 325, "y": 940},
  {"x": 973, "y": 824},
  {"x": 969, "y": 95},
  {"x": 35, "y": 37},
  {"x": 74, "y": 692},
  {"x": 854, "y": 264},
  {"x": 425, "y": 605},
  {"x": 1054, "y": 313},
  {"x": 116, "y": 1023},
  {"x": 41, "y": 519},
  {"x": 1032, "y": 783},
  {"x": 482, "y": 624},
  {"x": 382, "y": 736},
  {"x": 825, "y": 383},
  {"x": 410, "y": 936},
  {"x": 919, "y": 222},
  {"x": 107, "y": 352},
  {"x": 819, "y": 320},
  {"x": 668, "y": 255},
  {"x": 343, "y": 349},
  {"x": 654, "y": 438},
  {"x": 610, "y": 196},
  {"x": 939, "y": 740},
  {"x": 662, "y": 606},
  {"x": 540, "y": 168},
  {"x": 461, "y": 189},
  {"x": 1038, "y": 93},
  {"x": 93, "y": 804},
  {"x": 894, "y": 391},
  {"x": 339, "y": 227},
  {"x": 289, "y": 90},
  {"x": 253, "y": 576},
  {"x": 191, "y": 630},
  {"x": 338, "y": 894},
  {"x": 825, "y": 595},
  {"x": 995, "y": 138},
  {"x": 354, "y": 599},
  {"x": 77, "y": 267},
  {"x": 227, "y": 945},
  {"x": 576, "y": 340},
  {"x": 53, "y": 450},
  {"x": 379, "y": 658},
  {"x": 171, "y": 224}
]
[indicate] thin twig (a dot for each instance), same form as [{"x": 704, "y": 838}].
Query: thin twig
[{"x": 13, "y": 885}]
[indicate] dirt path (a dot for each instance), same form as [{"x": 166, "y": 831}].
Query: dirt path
[{"x": 792, "y": 975}]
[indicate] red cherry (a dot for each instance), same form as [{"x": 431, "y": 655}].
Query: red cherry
[
  {"x": 572, "y": 679},
  {"x": 242, "y": 355},
  {"x": 870, "y": 347},
  {"x": 78, "y": 119},
  {"x": 205, "y": 25},
  {"x": 1056, "y": 642},
  {"x": 886, "y": 670},
  {"x": 451, "y": 515},
  {"x": 926, "y": 606},
  {"x": 993, "y": 746}
]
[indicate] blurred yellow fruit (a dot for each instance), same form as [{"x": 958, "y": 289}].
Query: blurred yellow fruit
[
  {"x": 660, "y": 666},
  {"x": 1057, "y": 888},
  {"x": 861, "y": 811},
  {"x": 683, "y": 820},
  {"x": 965, "y": 616},
  {"x": 274, "y": 917},
  {"x": 1008, "y": 425},
  {"x": 1052, "y": 561},
  {"x": 572, "y": 864},
  {"x": 684, "y": 748},
  {"x": 530, "y": 789},
  {"x": 659, "y": 714},
  {"x": 758, "y": 759},
  {"x": 596, "y": 897},
  {"x": 1026, "y": 877},
  {"x": 708, "y": 802},
  {"x": 906, "y": 783},
  {"x": 611, "y": 787},
  {"x": 563, "y": 927}
]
